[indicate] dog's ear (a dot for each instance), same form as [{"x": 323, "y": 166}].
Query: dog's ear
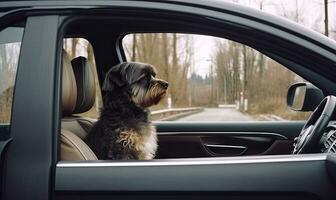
[
  {"x": 134, "y": 71},
  {"x": 113, "y": 78}
]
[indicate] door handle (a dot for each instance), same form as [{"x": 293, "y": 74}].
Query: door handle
[{"x": 226, "y": 150}]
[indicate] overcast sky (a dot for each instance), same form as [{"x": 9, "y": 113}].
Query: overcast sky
[
  {"x": 311, "y": 15},
  {"x": 311, "y": 11}
]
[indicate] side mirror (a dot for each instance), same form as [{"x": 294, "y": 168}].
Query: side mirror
[{"x": 304, "y": 97}]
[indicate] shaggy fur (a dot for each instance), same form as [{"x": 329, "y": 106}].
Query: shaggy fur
[{"x": 124, "y": 130}]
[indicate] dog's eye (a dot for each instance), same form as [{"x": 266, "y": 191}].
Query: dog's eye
[{"x": 148, "y": 77}]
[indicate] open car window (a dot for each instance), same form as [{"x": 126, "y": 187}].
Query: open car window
[{"x": 214, "y": 79}]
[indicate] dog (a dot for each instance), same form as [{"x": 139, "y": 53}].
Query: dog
[{"x": 124, "y": 130}]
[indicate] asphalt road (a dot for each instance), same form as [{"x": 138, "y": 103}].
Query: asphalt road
[{"x": 217, "y": 114}]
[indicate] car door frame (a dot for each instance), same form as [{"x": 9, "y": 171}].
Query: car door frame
[
  {"x": 32, "y": 155},
  {"x": 189, "y": 177}
]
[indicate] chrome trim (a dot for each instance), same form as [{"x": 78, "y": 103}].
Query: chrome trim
[
  {"x": 199, "y": 161},
  {"x": 225, "y": 146},
  {"x": 226, "y": 133}
]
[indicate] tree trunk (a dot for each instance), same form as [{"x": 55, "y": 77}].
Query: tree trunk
[
  {"x": 165, "y": 61},
  {"x": 245, "y": 73},
  {"x": 174, "y": 68},
  {"x": 326, "y": 26}
]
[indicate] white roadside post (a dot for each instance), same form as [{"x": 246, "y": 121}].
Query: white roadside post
[
  {"x": 169, "y": 102},
  {"x": 245, "y": 104}
]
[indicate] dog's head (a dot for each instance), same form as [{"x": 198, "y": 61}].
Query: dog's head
[{"x": 139, "y": 80}]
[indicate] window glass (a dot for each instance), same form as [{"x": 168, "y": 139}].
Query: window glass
[
  {"x": 214, "y": 79},
  {"x": 10, "y": 43},
  {"x": 81, "y": 47}
]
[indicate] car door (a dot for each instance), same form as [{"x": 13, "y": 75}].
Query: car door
[{"x": 254, "y": 177}]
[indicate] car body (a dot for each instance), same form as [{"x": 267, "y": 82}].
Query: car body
[{"x": 32, "y": 169}]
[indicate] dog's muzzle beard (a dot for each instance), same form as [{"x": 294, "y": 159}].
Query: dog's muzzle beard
[{"x": 146, "y": 97}]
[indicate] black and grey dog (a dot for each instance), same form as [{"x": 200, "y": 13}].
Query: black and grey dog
[{"x": 123, "y": 130}]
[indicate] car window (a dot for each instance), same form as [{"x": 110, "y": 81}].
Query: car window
[
  {"x": 214, "y": 79},
  {"x": 81, "y": 47},
  {"x": 10, "y": 43}
]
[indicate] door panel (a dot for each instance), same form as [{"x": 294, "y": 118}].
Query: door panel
[
  {"x": 287, "y": 129},
  {"x": 182, "y": 145},
  {"x": 189, "y": 140},
  {"x": 217, "y": 178}
]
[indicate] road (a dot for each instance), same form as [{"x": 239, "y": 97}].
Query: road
[{"x": 217, "y": 114}]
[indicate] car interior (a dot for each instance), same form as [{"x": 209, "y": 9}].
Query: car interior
[
  {"x": 78, "y": 94},
  {"x": 176, "y": 139}
]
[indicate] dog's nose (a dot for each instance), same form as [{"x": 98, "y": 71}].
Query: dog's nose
[{"x": 164, "y": 85}]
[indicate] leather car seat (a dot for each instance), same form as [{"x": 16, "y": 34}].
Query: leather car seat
[
  {"x": 85, "y": 98},
  {"x": 74, "y": 129}
]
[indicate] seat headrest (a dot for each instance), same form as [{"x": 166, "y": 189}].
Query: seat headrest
[
  {"x": 69, "y": 88},
  {"x": 86, "y": 88}
]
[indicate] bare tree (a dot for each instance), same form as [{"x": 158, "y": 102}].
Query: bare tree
[
  {"x": 295, "y": 14},
  {"x": 326, "y": 21},
  {"x": 261, "y": 3}
]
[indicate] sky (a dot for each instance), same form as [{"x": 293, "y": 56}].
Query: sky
[{"x": 311, "y": 15}]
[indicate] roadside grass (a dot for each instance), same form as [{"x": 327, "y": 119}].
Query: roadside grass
[{"x": 278, "y": 110}]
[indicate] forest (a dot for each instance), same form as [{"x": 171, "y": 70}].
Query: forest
[{"x": 237, "y": 74}]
